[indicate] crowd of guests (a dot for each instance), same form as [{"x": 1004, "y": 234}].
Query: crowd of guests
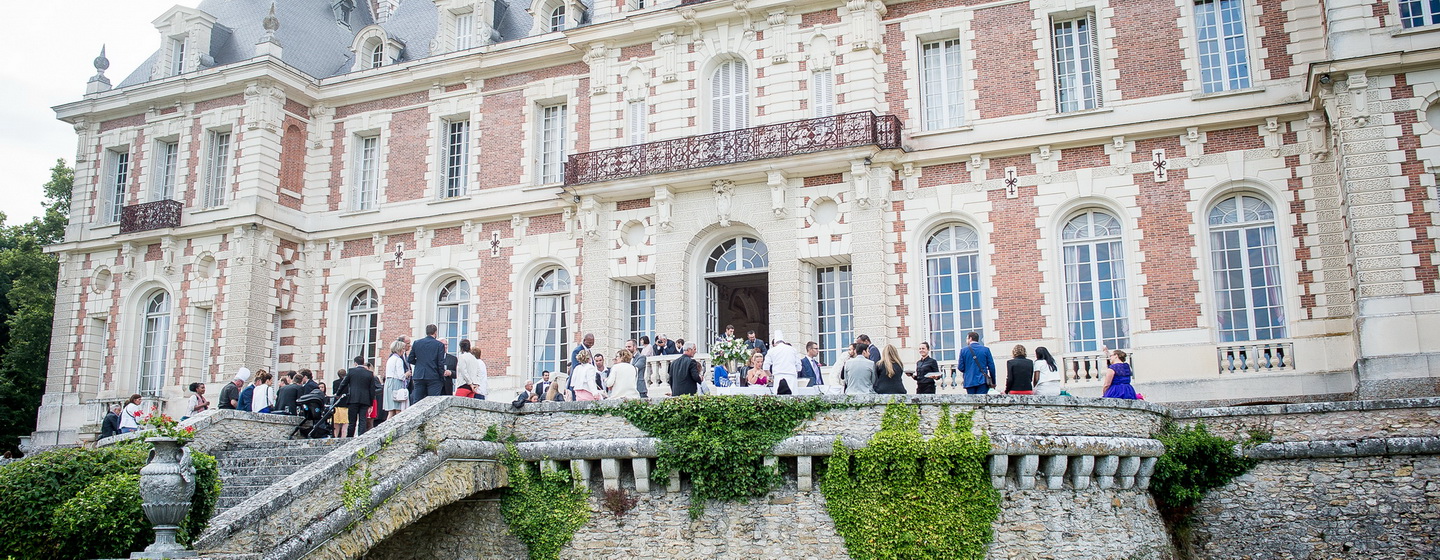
[{"x": 425, "y": 368}]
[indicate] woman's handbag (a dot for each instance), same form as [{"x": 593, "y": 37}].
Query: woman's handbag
[{"x": 400, "y": 394}]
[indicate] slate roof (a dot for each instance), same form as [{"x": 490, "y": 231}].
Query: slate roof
[{"x": 318, "y": 45}]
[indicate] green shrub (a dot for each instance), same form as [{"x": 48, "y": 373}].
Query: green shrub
[
  {"x": 903, "y": 496},
  {"x": 32, "y": 488},
  {"x": 104, "y": 520},
  {"x": 721, "y": 442},
  {"x": 1195, "y": 461},
  {"x": 35, "y": 490},
  {"x": 542, "y": 509}
]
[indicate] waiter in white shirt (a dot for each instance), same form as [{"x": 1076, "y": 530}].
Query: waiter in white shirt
[{"x": 783, "y": 364}]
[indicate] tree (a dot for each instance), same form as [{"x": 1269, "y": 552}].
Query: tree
[{"x": 28, "y": 279}]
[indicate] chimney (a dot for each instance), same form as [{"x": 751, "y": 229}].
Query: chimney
[{"x": 384, "y": 9}]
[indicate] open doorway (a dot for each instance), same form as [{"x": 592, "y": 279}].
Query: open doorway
[{"x": 737, "y": 289}]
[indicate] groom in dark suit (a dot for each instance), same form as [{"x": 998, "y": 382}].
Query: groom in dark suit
[{"x": 428, "y": 357}]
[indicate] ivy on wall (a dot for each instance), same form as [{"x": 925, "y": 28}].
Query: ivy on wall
[
  {"x": 1195, "y": 462},
  {"x": 903, "y": 496},
  {"x": 720, "y": 441},
  {"x": 543, "y": 509}
]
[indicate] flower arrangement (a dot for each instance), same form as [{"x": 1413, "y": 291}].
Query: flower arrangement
[
  {"x": 167, "y": 427},
  {"x": 731, "y": 350}
]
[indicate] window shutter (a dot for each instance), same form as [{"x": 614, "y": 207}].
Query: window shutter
[
  {"x": 824, "y": 84},
  {"x": 740, "y": 95},
  {"x": 717, "y": 99},
  {"x": 1096, "y": 82},
  {"x": 636, "y": 122}
]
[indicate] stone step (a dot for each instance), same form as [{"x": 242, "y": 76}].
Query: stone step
[
  {"x": 290, "y": 444},
  {"x": 274, "y": 461},
  {"x": 260, "y": 453},
  {"x": 261, "y": 480}
]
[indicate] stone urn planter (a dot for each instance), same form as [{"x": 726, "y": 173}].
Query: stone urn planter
[{"x": 167, "y": 483}]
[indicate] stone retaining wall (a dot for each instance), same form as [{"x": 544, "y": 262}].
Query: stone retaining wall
[
  {"x": 788, "y": 525},
  {"x": 217, "y": 428},
  {"x": 1351, "y": 420}
]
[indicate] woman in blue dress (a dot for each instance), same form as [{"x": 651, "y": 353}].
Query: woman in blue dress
[{"x": 1117, "y": 380}]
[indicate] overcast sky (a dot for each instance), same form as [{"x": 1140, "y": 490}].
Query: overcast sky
[{"x": 57, "y": 44}]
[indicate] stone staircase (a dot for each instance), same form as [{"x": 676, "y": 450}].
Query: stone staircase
[{"x": 247, "y": 468}]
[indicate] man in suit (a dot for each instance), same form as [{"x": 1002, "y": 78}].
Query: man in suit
[
  {"x": 810, "y": 365},
  {"x": 755, "y": 344},
  {"x": 285, "y": 397},
  {"x": 639, "y": 363},
  {"x": 452, "y": 365},
  {"x": 357, "y": 391},
  {"x": 685, "y": 373},
  {"x": 230, "y": 395},
  {"x": 978, "y": 364},
  {"x": 586, "y": 343},
  {"x": 544, "y": 385},
  {"x": 664, "y": 346},
  {"x": 526, "y": 396},
  {"x": 874, "y": 351},
  {"x": 308, "y": 385},
  {"x": 428, "y": 357},
  {"x": 111, "y": 425}
]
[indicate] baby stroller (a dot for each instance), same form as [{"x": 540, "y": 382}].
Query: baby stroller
[{"x": 315, "y": 414}]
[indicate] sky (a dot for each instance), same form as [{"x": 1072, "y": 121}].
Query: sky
[{"x": 60, "y": 40}]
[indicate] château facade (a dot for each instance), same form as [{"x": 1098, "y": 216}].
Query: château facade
[{"x": 1241, "y": 193}]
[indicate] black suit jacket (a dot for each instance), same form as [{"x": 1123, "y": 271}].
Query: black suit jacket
[
  {"x": 428, "y": 356},
  {"x": 358, "y": 386},
  {"x": 666, "y": 349},
  {"x": 684, "y": 376},
  {"x": 808, "y": 371},
  {"x": 285, "y": 399},
  {"x": 111, "y": 425}
]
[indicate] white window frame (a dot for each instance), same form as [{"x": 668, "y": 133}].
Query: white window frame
[
  {"x": 452, "y": 312},
  {"x": 206, "y": 341},
  {"x": 366, "y": 192},
  {"x": 641, "y": 310},
  {"x": 1082, "y": 267},
  {"x": 822, "y": 86},
  {"x": 1218, "y": 27},
  {"x": 362, "y": 325},
  {"x": 942, "y": 84},
  {"x": 1235, "y": 237},
  {"x": 377, "y": 55},
  {"x": 730, "y": 96},
  {"x": 1428, "y": 14},
  {"x": 167, "y": 163},
  {"x": 834, "y": 310},
  {"x": 1076, "y": 54},
  {"x": 113, "y": 190},
  {"x": 154, "y": 343},
  {"x": 635, "y": 124},
  {"x": 217, "y": 168},
  {"x": 550, "y": 166},
  {"x": 464, "y": 30},
  {"x": 455, "y": 164},
  {"x": 550, "y": 322},
  {"x": 952, "y": 256},
  {"x": 177, "y": 55},
  {"x": 557, "y": 19}
]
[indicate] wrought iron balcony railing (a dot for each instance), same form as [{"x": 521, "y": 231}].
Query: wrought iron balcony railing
[
  {"x": 150, "y": 215},
  {"x": 733, "y": 146}
]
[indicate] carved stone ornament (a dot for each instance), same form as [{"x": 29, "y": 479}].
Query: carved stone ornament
[
  {"x": 777, "y": 192},
  {"x": 663, "y": 206},
  {"x": 723, "y": 191},
  {"x": 167, "y": 483}
]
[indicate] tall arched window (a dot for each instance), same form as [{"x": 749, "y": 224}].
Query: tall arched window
[
  {"x": 730, "y": 96},
  {"x": 452, "y": 313},
  {"x": 557, "y": 18},
  {"x": 952, "y": 289},
  {"x": 377, "y": 55},
  {"x": 550, "y": 320},
  {"x": 1245, "y": 262},
  {"x": 154, "y": 343},
  {"x": 1095, "y": 305},
  {"x": 362, "y": 325}
]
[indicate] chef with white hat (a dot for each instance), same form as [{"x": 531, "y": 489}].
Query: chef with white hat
[{"x": 783, "y": 363}]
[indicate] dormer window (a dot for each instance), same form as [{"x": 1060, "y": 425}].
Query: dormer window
[
  {"x": 557, "y": 18},
  {"x": 374, "y": 49},
  {"x": 342, "y": 9},
  {"x": 177, "y": 55},
  {"x": 464, "y": 31},
  {"x": 377, "y": 56}
]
